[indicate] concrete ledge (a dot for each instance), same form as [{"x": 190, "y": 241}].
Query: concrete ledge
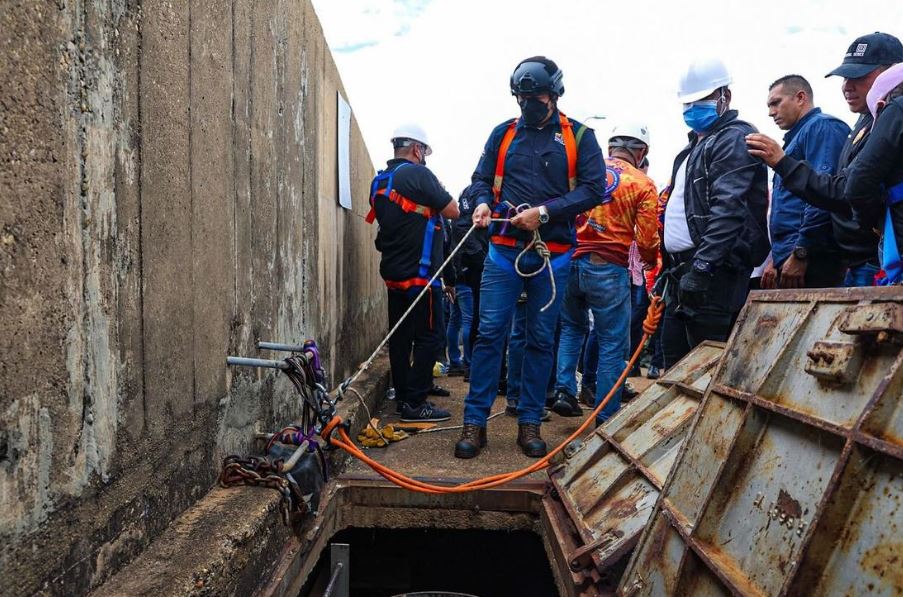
[{"x": 230, "y": 541}]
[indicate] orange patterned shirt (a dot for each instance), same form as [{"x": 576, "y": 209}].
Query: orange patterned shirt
[{"x": 629, "y": 211}]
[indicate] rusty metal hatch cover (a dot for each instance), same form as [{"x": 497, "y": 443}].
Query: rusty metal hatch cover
[
  {"x": 604, "y": 492},
  {"x": 791, "y": 480}
]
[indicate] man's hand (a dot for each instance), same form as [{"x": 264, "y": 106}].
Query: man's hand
[
  {"x": 527, "y": 219},
  {"x": 793, "y": 273},
  {"x": 693, "y": 288},
  {"x": 769, "y": 276},
  {"x": 764, "y": 147},
  {"x": 450, "y": 293},
  {"x": 481, "y": 215}
]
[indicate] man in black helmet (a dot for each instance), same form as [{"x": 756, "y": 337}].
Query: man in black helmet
[{"x": 540, "y": 171}]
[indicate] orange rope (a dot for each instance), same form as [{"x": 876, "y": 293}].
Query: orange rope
[{"x": 650, "y": 324}]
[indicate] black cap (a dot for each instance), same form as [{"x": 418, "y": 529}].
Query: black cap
[{"x": 867, "y": 53}]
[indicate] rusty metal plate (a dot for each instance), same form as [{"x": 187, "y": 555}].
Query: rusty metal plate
[
  {"x": 608, "y": 485},
  {"x": 791, "y": 479}
]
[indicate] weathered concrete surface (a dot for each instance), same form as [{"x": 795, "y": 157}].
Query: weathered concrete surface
[{"x": 167, "y": 178}]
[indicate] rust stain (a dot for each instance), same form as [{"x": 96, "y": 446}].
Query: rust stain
[
  {"x": 885, "y": 561},
  {"x": 788, "y": 505},
  {"x": 766, "y": 322}
]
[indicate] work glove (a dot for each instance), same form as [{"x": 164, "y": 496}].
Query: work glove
[{"x": 693, "y": 288}]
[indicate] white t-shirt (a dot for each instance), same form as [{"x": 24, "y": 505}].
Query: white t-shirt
[{"x": 677, "y": 232}]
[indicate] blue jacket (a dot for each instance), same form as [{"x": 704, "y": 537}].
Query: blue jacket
[
  {"x": 818, "y": 139},
  {"x": 536, "y": 172}
]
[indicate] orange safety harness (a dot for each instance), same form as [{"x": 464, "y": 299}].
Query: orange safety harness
[
  {"x": 571, "y": 142},
  {"x": 433, "y": 225}
]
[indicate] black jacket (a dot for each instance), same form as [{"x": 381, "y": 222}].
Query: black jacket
[
  {"x": 476, "y": 246},
  {"x": 855, "y": 236},
  {"x": 726, "y": 196},
  {"x": 879, "y": 167}
]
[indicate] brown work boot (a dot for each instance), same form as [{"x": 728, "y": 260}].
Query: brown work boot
[
  {"x": 529, "y": 440},
  {"x": 473, "y": 437}
]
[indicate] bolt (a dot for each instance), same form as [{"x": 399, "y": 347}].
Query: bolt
[{"x": 89, "y": 419}]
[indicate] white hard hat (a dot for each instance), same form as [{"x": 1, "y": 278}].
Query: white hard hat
[
  {"x": 414, "y": 132},
  {"x": 633, "y": 130},
  {"x": 701, "y": 78}
]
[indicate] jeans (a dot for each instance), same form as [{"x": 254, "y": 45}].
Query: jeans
[
  {"x": 420, "y": 334},
  {"x": 639, "y": 304},
  {"x": 516, "y": 345},
  {"x": 861, "y": 275},
  {"x": 459, "y": 321},
  {"x": 500, "y": 287},
  {"x": 603, "y": 288}
]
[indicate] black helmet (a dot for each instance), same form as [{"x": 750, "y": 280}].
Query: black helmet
[{"x": 537, "y": 75}]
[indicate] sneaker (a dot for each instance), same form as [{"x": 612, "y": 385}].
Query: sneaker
[
  {"x": 653, "y": 373},
  {"x": 588, "y": 394},
  {"x": 424, "y": 413},
  {"x": 456, "y": 370},
  {"x": 566, "y": 405},
  {"x": 511, "y": 407},
  {"x": 530, "y": 441},
  {"x": 437, "y": 390},
  {"x": 629, "y": 392},
  {"x": 473, "y": 439},
  {"x": 546, "y": 415}
]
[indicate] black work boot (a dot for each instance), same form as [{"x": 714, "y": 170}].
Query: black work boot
[
  {"x": 529, "y": 440},
  {"x": 566, "y": 405},
  {"x": 473, "y": 437}
]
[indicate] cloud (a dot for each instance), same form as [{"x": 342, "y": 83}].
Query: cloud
[{"x": 449, "y": 68}]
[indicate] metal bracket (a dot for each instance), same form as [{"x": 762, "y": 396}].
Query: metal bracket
[
  {"x": 837, "y": 362},
  {"x": 872, "y": 319}
]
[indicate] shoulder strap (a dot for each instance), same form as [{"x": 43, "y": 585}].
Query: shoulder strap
[
  {"x": 570, "y": 148},
  {"x": 500, "y": 159}
]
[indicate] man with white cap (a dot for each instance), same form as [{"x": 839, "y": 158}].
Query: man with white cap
[
  {"x": 409, "y": 203},
  {"x": 715, "y": 219}
]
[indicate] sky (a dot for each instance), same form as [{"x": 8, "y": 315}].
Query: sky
[{"x": 445, "y": 64}]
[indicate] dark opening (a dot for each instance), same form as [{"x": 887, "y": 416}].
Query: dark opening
[{"x": 388, "y": 562}]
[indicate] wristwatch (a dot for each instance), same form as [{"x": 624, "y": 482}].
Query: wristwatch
[
  {"x": 543, "y": 215},
  {"x": 801, "y": 253}
]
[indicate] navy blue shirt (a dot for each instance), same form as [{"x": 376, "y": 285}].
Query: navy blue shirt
[
  {"x": 817, "y": 138},
  {"x": 401, "y": 234},
  {"x": 536, "y": 173}
]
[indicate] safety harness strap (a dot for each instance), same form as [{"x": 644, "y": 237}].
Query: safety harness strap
[
  {"x": 571, "y": 143},
  {"x": 407, "y": 205}
]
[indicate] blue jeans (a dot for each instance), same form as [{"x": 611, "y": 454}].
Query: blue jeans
[
  {"x": 459, "y": 321},
  {"x": 861, "y": 275},
  {"x": 499, "y": 289},
  {"x": 516, "y": 354},
  {"x": 605, "y": 289}
]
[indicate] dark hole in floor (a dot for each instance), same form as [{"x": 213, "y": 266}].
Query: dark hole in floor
[{"x": 388, "y": 562}]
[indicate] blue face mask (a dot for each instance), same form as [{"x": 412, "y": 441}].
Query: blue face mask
[{"x": 700, "y": 116}]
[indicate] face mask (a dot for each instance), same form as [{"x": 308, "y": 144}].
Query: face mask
[
  {"x": 533, "y": 110},
  {"x": 700, "y": 116}
]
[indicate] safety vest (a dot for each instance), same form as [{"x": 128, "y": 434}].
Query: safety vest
[
  {"x": 434, "y": 223},
  {"x": 571, "y": 142}
]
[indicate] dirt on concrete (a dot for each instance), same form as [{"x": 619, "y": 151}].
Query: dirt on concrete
[{"x": 431, "y": 454}]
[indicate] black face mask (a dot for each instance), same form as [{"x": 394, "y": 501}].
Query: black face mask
[{"x": 533, "y": 110}]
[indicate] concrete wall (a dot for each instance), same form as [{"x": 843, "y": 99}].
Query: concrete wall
[{"x": 168, "y": 186}]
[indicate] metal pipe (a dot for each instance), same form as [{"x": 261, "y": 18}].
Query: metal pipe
[
  {"x": 280, "y": 346},
  {"x": 245, "y": 362},
  {"x": 296, "y": 456}
]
